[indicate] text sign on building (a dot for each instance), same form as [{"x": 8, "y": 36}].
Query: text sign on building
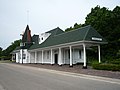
[{"x": 96, "y": 39}]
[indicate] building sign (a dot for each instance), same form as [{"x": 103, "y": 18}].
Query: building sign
[{"x": 96, "y": 39}]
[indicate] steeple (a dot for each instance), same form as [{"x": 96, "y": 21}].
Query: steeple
[
  {"x": 26, "y": 38},
  {"x": 27, "y": 35}
]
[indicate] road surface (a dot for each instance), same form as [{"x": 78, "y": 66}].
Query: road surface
[{"x": 18, "y": 77}]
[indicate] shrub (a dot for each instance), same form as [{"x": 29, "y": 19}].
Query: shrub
[
  {"x": 111, "y": 67},
  {"x": 117, "y": 61},
  {"x": 5, "y": 57}
]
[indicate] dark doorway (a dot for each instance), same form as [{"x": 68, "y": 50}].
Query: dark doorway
[{"x": 56, "y": 58}]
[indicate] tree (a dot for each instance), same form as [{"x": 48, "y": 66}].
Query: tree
[
  {"x": 68, "y": 29},
  {"x": 0, "y": 51},
  {"x": 10, "y": 48},
  {"x": 107, "y": 23},
  {"x": 76, "y": 26}
]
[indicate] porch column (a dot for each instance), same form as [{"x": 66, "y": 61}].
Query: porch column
[
  {"x": 29, "y": 58},
  {"x": 51, "y": 57},
  {"x": 21, "y": 52},
  {"x": 99, "y": 54},
  {"x": 70, "y": 56},
  {"x": 42, "y": 56},
  {"x": 60, "y": 58},
  {"x": 84, "y": 51},
  {"x": 35, "y": 56}
]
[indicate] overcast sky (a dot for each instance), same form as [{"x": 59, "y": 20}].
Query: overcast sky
[{"x": 43, "y": 15}]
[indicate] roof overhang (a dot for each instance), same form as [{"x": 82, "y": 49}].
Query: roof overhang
[
  {"x": 15, "y": 51},
  {"x": 78, "y": 43}
]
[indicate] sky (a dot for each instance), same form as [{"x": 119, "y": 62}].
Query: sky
[{"x": 43, "y": 15}]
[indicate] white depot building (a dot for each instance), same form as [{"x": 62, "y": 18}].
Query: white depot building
[{"x": 58, "y": 47}]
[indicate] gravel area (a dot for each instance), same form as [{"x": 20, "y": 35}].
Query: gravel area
[{"x": 78, "y": 69}]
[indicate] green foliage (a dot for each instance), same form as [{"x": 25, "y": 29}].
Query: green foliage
[
  {"x": 76, "y": 26},
  {"x": 6, "y": 52},
  {"x": 68, "y": 29},
  {"x": 0, "y": 51},
  {"x": 110, "y": 67},
  {"x": 106, "y": 22},
  {"x": 5, "y": 57},
  {"x": 116, "y": 61}
]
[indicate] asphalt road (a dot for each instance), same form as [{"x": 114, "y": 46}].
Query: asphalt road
[{"x": 18, "y": 77}]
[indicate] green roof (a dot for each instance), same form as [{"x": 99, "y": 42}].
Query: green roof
[
  {"x": 35, "y": 39},
  {"x": 55, "y": 31},
  {"x": 86, "y": 33}
]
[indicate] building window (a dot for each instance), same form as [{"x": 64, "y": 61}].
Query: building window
[
  {"x": 68, "y": 54},
  {"x": 79, "y": 54},
  {"x": 42, "y": 38},
  {"x": 19, "y": 56},
  {"x": 24, "y": 56},
  {"x": 48, "y": 54}
]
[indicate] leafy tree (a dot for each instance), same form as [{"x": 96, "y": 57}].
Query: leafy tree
[
  {"x": 0, "y": 51},
  {"x": 106, "y": 22},
  {"x": 68, "y": 29},
  {"x": 76, "y": 26},
  {"x": 10, "y": 48}
]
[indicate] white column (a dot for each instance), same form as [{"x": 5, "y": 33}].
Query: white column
[
  {"x": 84, "y": 51},
  {"x": 51, "y": 57},
  {"x": 35, "y": 56},
  {"x": 70, "y": 56},
  {"x": 99, "y": 54},
  {"x": 17, "y": 60},
  {"x": 29, "y": 58},
  {"x": 42, "y": 56},
  {"x": 60, "y": 58},
  {"x": 21, "y": 52},
  {"x": 63, "y": 56}
]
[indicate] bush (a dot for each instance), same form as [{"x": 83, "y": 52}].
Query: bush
[
  {"x": 5, "y": 57},
  {"x": 117, "y": 61},
  {"x": 111, "y": 67}
]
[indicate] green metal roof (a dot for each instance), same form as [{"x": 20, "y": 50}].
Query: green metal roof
[
  {"x": 55, "y": 31},
  {"x": 35, "y": 39},
  {"x": 81, "y": 34}
]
